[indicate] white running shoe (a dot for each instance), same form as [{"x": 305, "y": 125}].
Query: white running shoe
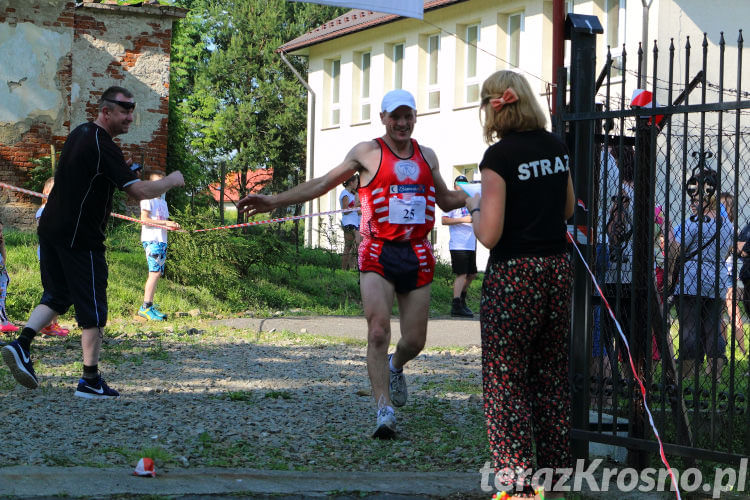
[
  {"x": 386, "y": 428},
  {"x": 397, "y": 386}
]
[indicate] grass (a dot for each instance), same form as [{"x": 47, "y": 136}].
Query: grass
[{"x": 304, "y": 281}]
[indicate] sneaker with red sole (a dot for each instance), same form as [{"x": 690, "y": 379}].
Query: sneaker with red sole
[
  {"x": 54, "y": 330},
  {"x": 8, "y": 328}
]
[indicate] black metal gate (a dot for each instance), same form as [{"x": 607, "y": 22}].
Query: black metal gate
[{"x": 655, "y": 183}]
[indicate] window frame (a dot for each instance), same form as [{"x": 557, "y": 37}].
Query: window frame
[
  {"x": 514, "y": 53},
  {"x": 365, "y": 86},
  {"x": 471, "y": 49},
  {"x": 397, "y": 76},
  {"x": 334, "y": 93},
  {"x": 433, "y": 87}
]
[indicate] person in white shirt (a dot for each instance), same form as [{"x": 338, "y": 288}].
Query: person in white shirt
[
  {"x": 350, "y": 222},
  {"x": 463, "y": 248},
  {"x": 155, "y": 214}
]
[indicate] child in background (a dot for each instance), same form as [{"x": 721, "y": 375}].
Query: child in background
[
  {"x": 53, "y": 329},
  {"x": 5, "y": 325}
]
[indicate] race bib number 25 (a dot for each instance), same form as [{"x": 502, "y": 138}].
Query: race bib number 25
[{"x": 407, "y": 211}]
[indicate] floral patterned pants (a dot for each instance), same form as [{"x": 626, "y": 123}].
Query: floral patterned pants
[{"x": 525, "y": 320}]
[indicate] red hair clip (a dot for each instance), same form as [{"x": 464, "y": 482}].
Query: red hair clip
[{"x": 508, "y": 97}]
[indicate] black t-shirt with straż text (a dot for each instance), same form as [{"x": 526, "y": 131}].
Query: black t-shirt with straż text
[
  {"x": 534, "y": 166},
  {"x": 91, "y": 166}
]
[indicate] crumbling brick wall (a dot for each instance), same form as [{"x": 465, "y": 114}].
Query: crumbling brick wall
[{"x": 55, "y": 60}]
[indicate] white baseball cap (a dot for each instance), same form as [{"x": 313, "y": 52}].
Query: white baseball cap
[{"x": 396, "y": 98}]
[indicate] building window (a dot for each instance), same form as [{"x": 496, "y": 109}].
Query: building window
[
  {"x": 398, "y": 65},
  {"x": 614, "y": 14},
  {"x": 470, "y": 171},
  {"x": 515, "y": 27},
  {"x": 472, "y": 82},
  {"x": 335, "y": 92},
  {"x": 433, "y": 90},
  {"x": 364, "y": 87}
]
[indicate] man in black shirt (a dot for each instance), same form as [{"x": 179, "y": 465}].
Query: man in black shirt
[{"x": 71, "y": 238}]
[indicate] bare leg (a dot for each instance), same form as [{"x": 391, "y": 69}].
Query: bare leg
[
  {"x": 41, "y": 316},
  {"x": 459, "y": 285},
  {"x": 377, "y": 299},
  {"x": 414, "y": 308},
  {"x": 150, "y": 290}
]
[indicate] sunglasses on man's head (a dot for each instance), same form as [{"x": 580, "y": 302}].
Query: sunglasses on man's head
[{"x": 127, "y": 105}]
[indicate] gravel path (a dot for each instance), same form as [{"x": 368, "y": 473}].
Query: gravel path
[{"x": 200, "y": 395}]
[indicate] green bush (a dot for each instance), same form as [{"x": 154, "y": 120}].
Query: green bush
[
  {"x": 39, "y": 173},
  {"x": 220, "y": 260}
]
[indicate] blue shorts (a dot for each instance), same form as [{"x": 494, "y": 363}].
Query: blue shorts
[{"x": 156, "y": 255}]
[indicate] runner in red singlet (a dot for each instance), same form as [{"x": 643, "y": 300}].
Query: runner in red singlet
[{"x": 400, "y": 184}]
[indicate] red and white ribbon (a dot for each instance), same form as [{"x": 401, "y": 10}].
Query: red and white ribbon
[
  {"x": 270, "y": 221},
  {"x": 632, "y": 368},
  {"x": 139, "y": 221}
]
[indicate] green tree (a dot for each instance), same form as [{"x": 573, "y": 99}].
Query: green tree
[{"x": 239, "y": 101}]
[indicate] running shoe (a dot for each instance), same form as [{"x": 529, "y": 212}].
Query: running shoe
[
  {"x": 386, "y": 428},
  {"x": 8, "y": 328},
  {"x": 95, "y": 390},
  {"x": 157, "y": 311},
  {"x": 150, "y": 314},
  {"x": 54, "y": 330},
  {"x": 397, "y": 386},
  {"x": 18, "y": 360}
]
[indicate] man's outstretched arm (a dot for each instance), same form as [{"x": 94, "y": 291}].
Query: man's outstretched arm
[{"x": 309, "y": 190}]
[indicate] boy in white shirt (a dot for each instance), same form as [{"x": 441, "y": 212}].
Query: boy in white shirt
[{"x": 154, "y": 240}]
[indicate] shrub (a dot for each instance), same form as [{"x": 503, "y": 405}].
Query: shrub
[
  {"x": 40, "y": 172},
  {"x": 220, "y": 260}
]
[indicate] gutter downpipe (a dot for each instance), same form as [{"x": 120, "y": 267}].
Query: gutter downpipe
[
  {"x": 558, "y": 46},
  {"x": 310, "y": 141}
]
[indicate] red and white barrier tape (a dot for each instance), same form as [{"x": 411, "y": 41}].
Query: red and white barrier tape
[
  {"x": 270, "y": 221},
  {"x": 632, "y": 368},
  {"x": 232, "y": 226}
]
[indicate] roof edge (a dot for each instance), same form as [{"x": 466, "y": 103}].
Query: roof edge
[{"x": 305, "y": 40}]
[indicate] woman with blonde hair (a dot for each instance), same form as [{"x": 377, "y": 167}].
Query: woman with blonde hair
[{"x": 527, "y": 196}]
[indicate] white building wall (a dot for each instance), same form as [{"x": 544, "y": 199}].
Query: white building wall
[{"x": 454, "y": 131}]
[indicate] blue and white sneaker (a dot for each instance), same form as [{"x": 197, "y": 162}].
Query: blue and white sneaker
[
  {"x": 155, "y": 308},
  {"x": 151, "y": 314},
  {"x": 95, "y": 390},
  {"x": 19, "y": 362}
]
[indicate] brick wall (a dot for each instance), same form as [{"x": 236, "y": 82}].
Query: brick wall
[{"x": 80, "y": 52}]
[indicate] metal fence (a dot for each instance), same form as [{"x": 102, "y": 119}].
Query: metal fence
[{"x": 645, "y": 175}]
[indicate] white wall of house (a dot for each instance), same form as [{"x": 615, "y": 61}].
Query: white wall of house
[{"x": 453, "y": 129}]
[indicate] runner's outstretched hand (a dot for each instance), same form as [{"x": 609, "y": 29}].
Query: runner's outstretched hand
[{"x": 255, "y": 203}]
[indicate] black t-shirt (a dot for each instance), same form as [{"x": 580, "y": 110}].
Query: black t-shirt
[
  {"x": 534, "y": 166},
  {"x": 91, "y": 167}
]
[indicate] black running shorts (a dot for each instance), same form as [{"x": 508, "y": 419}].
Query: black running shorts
[{"x": 74, "y": 277}]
